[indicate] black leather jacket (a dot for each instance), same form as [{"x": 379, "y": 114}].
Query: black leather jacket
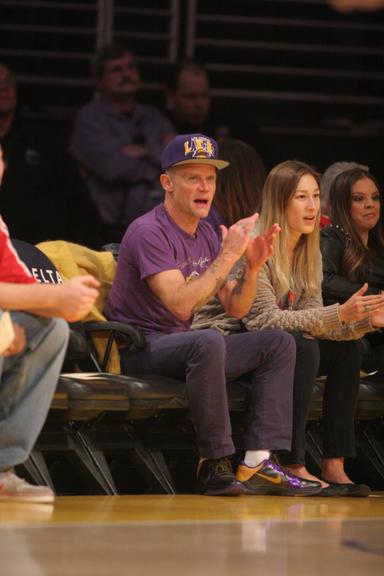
[{"x": 335, "y": 287}]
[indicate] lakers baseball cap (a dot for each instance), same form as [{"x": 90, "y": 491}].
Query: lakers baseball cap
[{"x": 192, "y": 148}]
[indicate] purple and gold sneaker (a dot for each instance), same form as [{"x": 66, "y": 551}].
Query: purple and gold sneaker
[
  {"x": 268, "y": 478},
  {"x": 215, "y": 478}
]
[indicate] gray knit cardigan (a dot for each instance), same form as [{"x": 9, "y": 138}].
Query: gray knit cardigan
[{"x": 308, "y": 315}]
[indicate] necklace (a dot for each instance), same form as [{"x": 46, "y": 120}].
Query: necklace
[
  {"x": 291, "y": 292},
  {"x": 291, "y": 299}
]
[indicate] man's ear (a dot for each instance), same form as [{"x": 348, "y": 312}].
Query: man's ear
[{"x": 166, "y": 182}]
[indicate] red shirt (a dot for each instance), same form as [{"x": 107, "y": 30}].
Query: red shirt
[
  {"x": 12, "y": 269},
  {"x": 324, "y": 221}
]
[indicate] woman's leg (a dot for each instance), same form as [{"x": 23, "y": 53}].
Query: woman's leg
[
  {"x": 306, "y": 369},
  {"x": 340, "y": 361}
]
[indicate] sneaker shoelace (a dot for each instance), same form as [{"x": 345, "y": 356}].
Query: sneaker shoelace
[{"x": 223, "y": 466}]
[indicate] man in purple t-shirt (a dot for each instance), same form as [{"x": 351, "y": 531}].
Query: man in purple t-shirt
[{"x": 170, "y": 264}]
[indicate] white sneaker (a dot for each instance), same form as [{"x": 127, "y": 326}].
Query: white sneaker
[{"x": 13, "y": 488}]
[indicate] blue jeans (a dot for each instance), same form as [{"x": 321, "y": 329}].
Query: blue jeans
[
  {"x": 207, "y": 360},
  {"x": 27, "y": 384}
]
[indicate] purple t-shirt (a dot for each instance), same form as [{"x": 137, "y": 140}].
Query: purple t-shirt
[{"x": 154, "y": 243}]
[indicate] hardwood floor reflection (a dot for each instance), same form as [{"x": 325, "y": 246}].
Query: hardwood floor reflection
[{"x": 192, "y": 535}]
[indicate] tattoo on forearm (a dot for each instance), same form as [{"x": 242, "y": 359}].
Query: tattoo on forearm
[
  {"x": 239, "y": 286},
  {"x": 200, "y": 303}
]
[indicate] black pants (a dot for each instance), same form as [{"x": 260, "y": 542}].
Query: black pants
[
  {"x": 340, "y": 363},
  {"x": 372, "y": 352}
]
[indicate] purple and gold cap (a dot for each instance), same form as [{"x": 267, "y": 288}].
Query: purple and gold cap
[{"x": 192, "y": 148}]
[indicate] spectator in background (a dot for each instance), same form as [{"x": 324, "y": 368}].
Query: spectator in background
[
  {"x": 188, "y": 97},
  {"x": 117, "y": 142},
  {"x": 29, "y": 199},
  {"x": 327, "y": 179},
  {"x": 239, "y": 188}
]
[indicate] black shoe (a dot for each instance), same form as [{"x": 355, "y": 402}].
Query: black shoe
[
  {"x": 355, "y": 490},
  {"x": 215, "y": 478},
  {"x": 268, "y": 478},
  {"x": 333, "y": 490}
]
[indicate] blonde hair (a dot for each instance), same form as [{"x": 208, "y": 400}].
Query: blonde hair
[{"x": 279, "y": 188}]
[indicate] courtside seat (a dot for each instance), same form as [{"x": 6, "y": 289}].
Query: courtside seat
[
  {"x": 316, "y": 410},
  {"x": 370, "y": 402},
  {"x": 151, "y": 393},
  {"x": 371, "y": 398},
  {"x": 60, "y": 398},
  {"x": 94, "y": 393},
  {"x": 80, "y": 400}
]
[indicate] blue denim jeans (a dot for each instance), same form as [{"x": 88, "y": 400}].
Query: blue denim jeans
[
  {"x": 207, "y": 360},
  {"x": 27, "y": 384}
]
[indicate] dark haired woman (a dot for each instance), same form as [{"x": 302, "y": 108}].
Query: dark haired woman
[
  {"x": 353, "y": 250},
  {"x": 238, "y": 194}
]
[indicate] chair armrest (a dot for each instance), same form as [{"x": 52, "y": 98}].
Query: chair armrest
[{"x": 136, "y": 337}]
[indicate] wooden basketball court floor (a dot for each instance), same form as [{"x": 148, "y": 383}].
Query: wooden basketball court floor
[{"x": 193, "y": 535}]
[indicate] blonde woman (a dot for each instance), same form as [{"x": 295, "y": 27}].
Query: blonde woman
[{"x": 289, "y": 297}]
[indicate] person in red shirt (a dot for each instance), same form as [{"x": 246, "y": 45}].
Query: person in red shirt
[{"x": 34, "y": 341}]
